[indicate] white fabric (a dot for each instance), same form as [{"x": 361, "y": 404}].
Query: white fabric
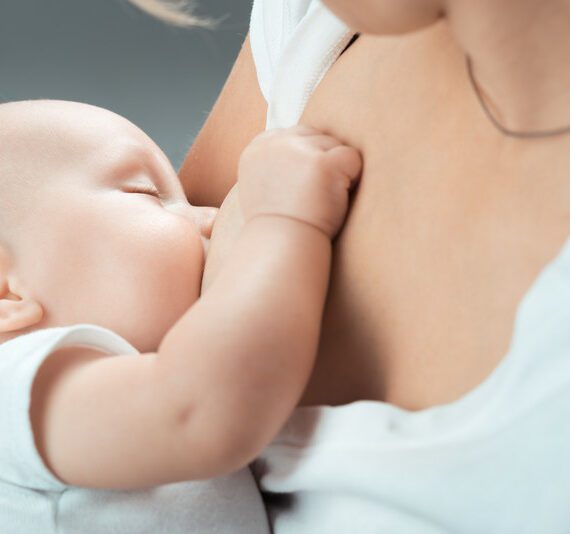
[
  {"x": 494, "y": 461},
  {"x": 294, "y": 43},
  {"x": 33, "y": 501}
]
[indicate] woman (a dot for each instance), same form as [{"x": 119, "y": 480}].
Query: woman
[{"x": 440, "y": 311}]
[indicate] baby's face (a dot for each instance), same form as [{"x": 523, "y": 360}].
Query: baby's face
[
  {"x": 386, "y": 17},
  {"x": 103, "y": 232}
]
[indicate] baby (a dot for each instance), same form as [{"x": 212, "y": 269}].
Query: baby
[{"x": 101, "y": 256}]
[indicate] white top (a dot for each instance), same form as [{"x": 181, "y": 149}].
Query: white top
[
  {"x": 496, "y": 460},
  {"x": 34, "y": 501},
  {"x": 294, "y": 43}
]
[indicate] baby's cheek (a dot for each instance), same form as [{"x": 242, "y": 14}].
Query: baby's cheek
[
  {"x": 169, "y": 272},
  {"x": 171, "y": 262},
  {"x": 186, "y": 255},
  {"x": 225, "y": 233}
]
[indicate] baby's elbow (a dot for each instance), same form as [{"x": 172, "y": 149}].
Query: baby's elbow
[{"x": 218, "y": 448}]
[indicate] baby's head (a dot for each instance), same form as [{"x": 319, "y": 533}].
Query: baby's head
[{"x": 94, "y": 225}]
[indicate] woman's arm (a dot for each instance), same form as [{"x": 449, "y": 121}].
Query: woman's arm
[{"x": 210, "y": 168}]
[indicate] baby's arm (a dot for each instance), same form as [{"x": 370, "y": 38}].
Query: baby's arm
[{"x": 229, "y": 372}]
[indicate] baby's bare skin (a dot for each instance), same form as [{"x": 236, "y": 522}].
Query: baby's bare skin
[{"x": 101, "y": 232}]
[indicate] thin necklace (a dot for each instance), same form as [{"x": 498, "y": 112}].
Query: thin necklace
[{"x": 498, "y": 125}]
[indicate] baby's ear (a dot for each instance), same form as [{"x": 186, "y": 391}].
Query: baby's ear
[{"x": 17, "y": 309}]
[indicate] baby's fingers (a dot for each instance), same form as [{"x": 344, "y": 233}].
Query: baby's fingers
[
  {"x": 323, "y": 142},
  {"x": 347, "y": 160}
]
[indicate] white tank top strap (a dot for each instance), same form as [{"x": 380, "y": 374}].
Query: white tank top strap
[{"x": 294, "y": 43}]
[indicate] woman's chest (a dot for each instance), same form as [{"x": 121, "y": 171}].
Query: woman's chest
[{"x": 446, "y": 233}]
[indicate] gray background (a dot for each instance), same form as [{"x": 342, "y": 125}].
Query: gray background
[{"x": 108, "y": 53}]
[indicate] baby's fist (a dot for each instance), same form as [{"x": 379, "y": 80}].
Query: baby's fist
[{"x": 300, "y": 173}]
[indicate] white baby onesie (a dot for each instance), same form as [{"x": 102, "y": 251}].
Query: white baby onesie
[{"x": 33, "y": 501}]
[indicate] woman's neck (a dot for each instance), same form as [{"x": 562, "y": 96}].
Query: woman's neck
[{"x": 520, "y": 51}]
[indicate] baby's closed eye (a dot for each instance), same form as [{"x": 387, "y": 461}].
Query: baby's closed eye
[{"x": 144, "y": 189}]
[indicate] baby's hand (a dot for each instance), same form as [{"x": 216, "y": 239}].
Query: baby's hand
[{"x": 300, "y": 173}]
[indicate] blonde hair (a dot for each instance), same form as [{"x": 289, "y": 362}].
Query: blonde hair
[{"x": 175, "y": 12}]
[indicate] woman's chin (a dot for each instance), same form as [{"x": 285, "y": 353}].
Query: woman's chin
[{"x": 387, "y": 17}]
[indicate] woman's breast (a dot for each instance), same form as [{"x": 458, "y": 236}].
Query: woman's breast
[
  {"x": 425, "y": 256},
  {"x": 397, "y": 306}
]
